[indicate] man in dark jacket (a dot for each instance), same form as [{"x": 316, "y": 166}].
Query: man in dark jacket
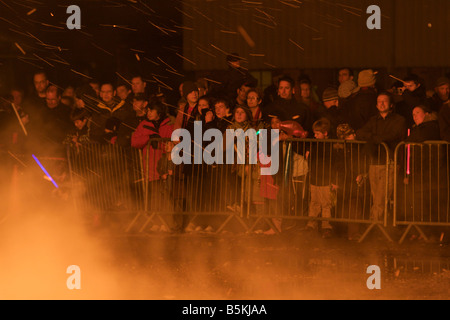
[
  {"x": 108, "y": 115},
  {"x": 414, "y": 94},
  {"x": 389, "y": 128},
  {"x": 56, "y": 117},
  {"x": 287, "y": 108},
  {"x": 364, "y": 104},
  {"x": 441, "y": 95},
  {"x": 444, "y": 122},
  {"x": 332, "y": 111}
]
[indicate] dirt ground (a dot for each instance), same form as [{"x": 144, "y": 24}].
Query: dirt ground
[
  {"x": 44, "y": 235},
  {"x": 293, "y": 265}
]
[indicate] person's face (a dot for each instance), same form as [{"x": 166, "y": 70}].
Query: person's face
[
  {"x": 107, "y": 93},
  {"x": 240, "y": 115},
  {"x": 221, "y": 110},
  {"x": 69, "y": 92},
  {"x": 305, "y": 90},
  {"x": 168, "y": 146},
  {"x": 275, "y": 123},
  {"x": 329, "y": 104},
  {"x": 52, "y": 99},
  {"x": 418, "y": 115},
  {"x": 320, "y": 135},
  {"x": 17, "y": 97},
  {"x": 192, "y": 97},
  {"x": 443, "y": 92},
  {"x": 79, "y": 103},
  {"x": 139, "y": 107},
  {"x": 344, "y": 75},
  {"x": 253, "y": 99},
  {"x": 79, "y": 124},
  {"x": 137, "y": 85},
  {"x": 383, "y": 104},
  {"x": 40, "y": 83},
  {"x": 411, "y": 85},
  {"x": 242, "y": 93},
  {"x": 202, "y": 104},
  {"x": 152, "y": 115},
  {"x": 285, "y": 90},
  {"x": 122, "y": 92}
]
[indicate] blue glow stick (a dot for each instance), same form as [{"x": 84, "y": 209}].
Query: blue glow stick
[{"x": 45, "y": 171}]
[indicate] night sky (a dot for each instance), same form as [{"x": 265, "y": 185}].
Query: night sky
[{"x": 115, "y": 36}]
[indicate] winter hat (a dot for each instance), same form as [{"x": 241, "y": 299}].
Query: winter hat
[
  {"x": 441, "y": 81},
  {"x": 188, "y": 87},
  {"x": 347, "y": 88},
  {"x": 366, "y": 78},
  {"x": 330, "y": 94},
  {"x": 344, "y": 130}
]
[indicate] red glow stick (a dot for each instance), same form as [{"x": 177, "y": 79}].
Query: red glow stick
[{"x": 407, "y": 159}]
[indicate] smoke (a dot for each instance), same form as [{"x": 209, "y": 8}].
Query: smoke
[{"x": 42, "y": 235}]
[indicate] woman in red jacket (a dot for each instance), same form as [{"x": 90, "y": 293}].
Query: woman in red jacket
[
  {"x": 157, "y": 125},
  {"x": 148, "y": 137}
]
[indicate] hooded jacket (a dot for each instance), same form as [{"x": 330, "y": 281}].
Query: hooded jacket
[
  {"x": 108, "y": 117},
  {"x": 151, "y": 153}
]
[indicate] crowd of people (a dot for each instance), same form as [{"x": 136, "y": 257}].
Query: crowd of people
[{"x": 128, "y": 115}]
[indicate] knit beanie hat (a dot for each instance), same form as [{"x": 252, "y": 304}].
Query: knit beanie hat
[
  {"x": 330, "y": 94},
  {"x": 366, "y": 78},
  {"x": 347, "y": 88},
  {"x": 441, "y": 81}
]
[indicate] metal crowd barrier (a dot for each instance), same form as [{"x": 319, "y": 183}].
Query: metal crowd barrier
[
  {"x": 105, "y": 179},
  {"x": 146, "y": 184},
  {"x": 187, "y": 193},
  {"x": 201, "y": 192},
  {"x": 351, "y": 199},
  {"x": 422, "y": 193}
]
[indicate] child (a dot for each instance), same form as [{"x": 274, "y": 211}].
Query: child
[
  {"x": 350, "y": 168},
  {"x": 270, "y": 186},
  {"x": 165, "y": 167},
  {"x": 79, "y": 135},
  {"x": 321, "y": 177}
]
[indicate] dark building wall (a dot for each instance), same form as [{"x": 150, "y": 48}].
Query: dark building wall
[{"x": 316, "y": 34}]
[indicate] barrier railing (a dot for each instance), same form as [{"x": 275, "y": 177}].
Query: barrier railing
[
  {"x": 330, "y": 181},
  {"x": 202, "y": 192},
  {"x": 147, "y": 185},
  {"x": 106, "y": 178},
  {"x": 180, "y": 194},
  {"x": 422, "y": 193}
]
